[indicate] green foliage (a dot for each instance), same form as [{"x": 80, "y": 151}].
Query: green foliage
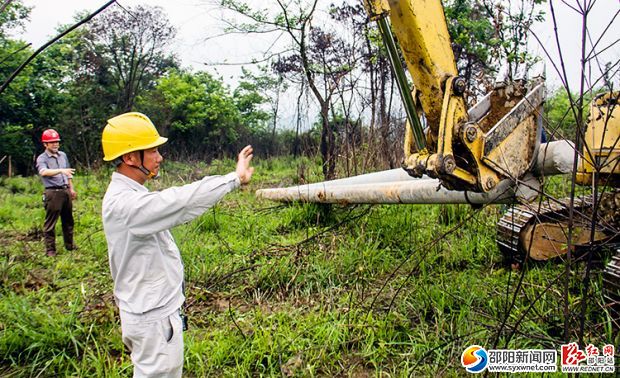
[
  {"x": 204, "y": 120},
  {"x": 562, "y": 118},
  {"x": 15, "y": 142},
  {"x": 27, "y": 106},
  {"x": 202, "y": 117},
  {"x": 469, "y": 29},
  {"x": 512, "y": 23},
  {"x": 13, "y": 17},
  {"x": 251, "y": 94},
  {"x": 295, "y": 291}
]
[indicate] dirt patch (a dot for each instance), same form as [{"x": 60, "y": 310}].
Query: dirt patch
[
  {"x": 100, "y": 308},
  {"x": 35, "y": 234},
  {"x": 34, "y": 281},
  {"x": 354, "y": 366},
  {"x": 201, "y": 300}
]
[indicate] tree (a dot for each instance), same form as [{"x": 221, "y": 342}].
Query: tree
[
  {"x": 321, "y": 63},
  {"x": 249, "y": 96},
  {"x": 311, "y": 58},
  {"x": 13, "y": 14},
  {"x": 103, "y": 67},
  {"x": 254, "y": 91},
  {"x": 132, "y": 47},
  {"x": 20, "y": 105},
  {"x": 197, "y": 112},
  {"x": 94, "y": 72},
  {"x": 473, "y": 40},
  {"x": 370, "y": 59},
  {"x": 89, "y": 96},
  {"x": 512, "y": 22}
]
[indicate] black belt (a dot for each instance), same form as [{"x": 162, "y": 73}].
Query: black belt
[{"x": 58, "y": 187}]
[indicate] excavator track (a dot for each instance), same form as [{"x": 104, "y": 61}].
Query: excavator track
[
  {"x": 541, "y": 228},
  {"x": 520, "y": 220},
  {"x": 534, "y": 228}
]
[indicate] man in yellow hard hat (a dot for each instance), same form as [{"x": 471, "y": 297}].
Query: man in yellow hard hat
[{"x": 145, "y": 261}]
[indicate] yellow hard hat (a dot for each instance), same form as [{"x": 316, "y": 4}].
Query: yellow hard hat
[{"x": 129, "y": 132}]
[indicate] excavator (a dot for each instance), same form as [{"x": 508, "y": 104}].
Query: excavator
[{"x": 489, "y": 153}]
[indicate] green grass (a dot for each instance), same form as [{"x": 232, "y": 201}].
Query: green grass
[{"x": 301, "y": 290}]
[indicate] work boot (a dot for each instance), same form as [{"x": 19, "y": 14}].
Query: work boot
[{"x": 51, "y": 253}]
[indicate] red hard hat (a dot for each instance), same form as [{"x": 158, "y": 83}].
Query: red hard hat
[{"x": 50, "y": 135}]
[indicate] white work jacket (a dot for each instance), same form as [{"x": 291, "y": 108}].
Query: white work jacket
[{"x": 145, "y": 261}]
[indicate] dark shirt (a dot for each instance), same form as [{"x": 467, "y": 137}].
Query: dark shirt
[{"x": 55, "y": 161}]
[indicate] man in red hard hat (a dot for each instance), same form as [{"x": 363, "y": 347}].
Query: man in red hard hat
[{"x": 56, "y": 174}]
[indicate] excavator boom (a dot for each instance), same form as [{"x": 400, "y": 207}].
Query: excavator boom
[{"x": 464, "y": 150}]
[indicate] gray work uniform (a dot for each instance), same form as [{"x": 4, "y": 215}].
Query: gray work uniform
[
  {"x": 146, "y": 265},
  {"x": 53, "y": 161},
  {"x": 56, "y": 200}
]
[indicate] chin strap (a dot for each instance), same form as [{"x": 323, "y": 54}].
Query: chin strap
[{"x": 149, "y": 175}]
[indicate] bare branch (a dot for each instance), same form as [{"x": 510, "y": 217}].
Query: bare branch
[
  {"x": 611, "y": 22},
  {"x": 4, "y": 5},
  {"x": 51, "y": 42},
  {"x": 572, "y": 7},
  {"x": 15, "y": 52},
  {"x": 254, "y": 61}
]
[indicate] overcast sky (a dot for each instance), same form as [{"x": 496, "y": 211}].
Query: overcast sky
[
  {"x": 603, "y": 20},
  {"x": 197, "y": 19}
]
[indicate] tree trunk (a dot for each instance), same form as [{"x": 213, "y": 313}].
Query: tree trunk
[
  {"x": 328, "y": 142},
  {"x": 385, "y": 122}
]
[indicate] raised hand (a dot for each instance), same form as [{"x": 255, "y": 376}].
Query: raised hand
[
  {"x": 67, "y": 171},
  {"x": 244, "y": 171}
]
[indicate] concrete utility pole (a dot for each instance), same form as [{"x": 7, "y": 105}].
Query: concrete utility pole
[{"x": 396, "y": 186}]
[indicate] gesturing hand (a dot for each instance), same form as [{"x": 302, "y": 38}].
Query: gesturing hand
[{"x": 244, "y": 171}]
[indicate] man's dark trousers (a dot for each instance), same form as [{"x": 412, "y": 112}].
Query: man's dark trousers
[{"x": 58, "y": 203}]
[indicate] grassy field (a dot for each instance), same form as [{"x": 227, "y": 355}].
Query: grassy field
[{"x": 300, "y": 290}]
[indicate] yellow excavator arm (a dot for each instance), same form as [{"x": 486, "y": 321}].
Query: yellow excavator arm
[{"x": 467, "y": 150}]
